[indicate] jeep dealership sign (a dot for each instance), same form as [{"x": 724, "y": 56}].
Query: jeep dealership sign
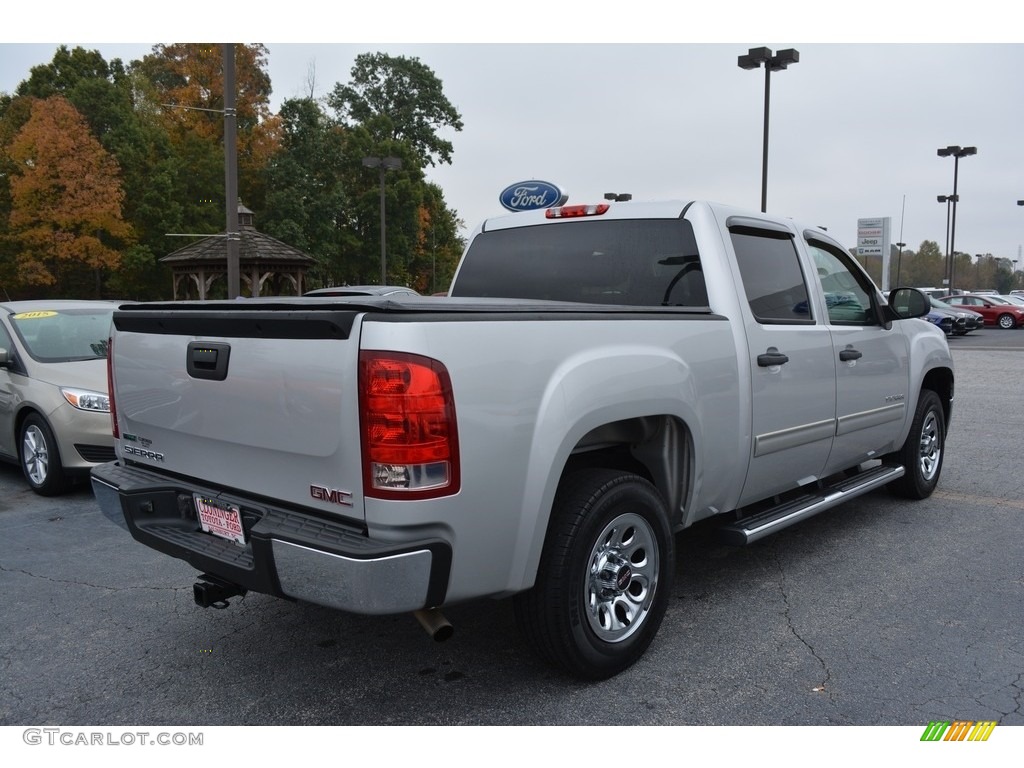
[
  {"x": 531, "y": 196},
  {"x": 873, "y": 240}
]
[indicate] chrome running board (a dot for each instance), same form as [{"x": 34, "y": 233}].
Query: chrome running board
[{"x": 750, "y": 529}]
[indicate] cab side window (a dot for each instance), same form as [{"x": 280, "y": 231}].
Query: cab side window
[
  {"x": 772, "y": 278},
  {"x": 5, "y": 340},
  {"x": 6, "y": 343},
  {"x": 848, "y": 300}
]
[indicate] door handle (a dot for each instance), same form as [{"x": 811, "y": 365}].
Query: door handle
[
  {"x": 772, "y": 357},
  {"x": 850, "y": 354}
]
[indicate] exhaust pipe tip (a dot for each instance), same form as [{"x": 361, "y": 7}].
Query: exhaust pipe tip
[{"x": 434, "y": 622}]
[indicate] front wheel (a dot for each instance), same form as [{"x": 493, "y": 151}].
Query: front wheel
[
  {"x": 40, "y": 459},
  {"x": 605, "y": 575},
  {"x": 1006, "y": 321},
  {"x": 921, "y": 454}
]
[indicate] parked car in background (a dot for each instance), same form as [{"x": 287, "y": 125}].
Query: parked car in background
[
  {"x": 995, "y": 310},
  {"x": 943, "y": 319},
  {"x": 363, "y": 290},
  {"x": 1018, "y": 300},
  {"x": 935, "y": 293},
  {"x": 54, "y": 410},
  {"x": 963, "y": 320}
]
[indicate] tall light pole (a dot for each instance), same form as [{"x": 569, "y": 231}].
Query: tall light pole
[
  {"x": 956, "y": 152},
  {"x": 899, "y": 262},
  {"x": 753, "y": 59},
  {"x": 385, "y": 164},
  {"x": 948, "y": 200}
]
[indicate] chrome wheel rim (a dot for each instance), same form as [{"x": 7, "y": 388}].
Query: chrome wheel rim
[
  {"x": 931, "y": 449},
  {"x": 622, "y": 578},
  {"x": 35, "y": 455}
]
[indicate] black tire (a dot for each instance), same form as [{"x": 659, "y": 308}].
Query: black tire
[
  {"x": 1006, "y": 321},
  {"x": 39, "y": 457},
  {"x": 922, "y": 452},
  {"x": 605, "y": 575}
]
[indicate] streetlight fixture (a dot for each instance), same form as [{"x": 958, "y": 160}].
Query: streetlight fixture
[
  {"x": 385, "y": 164},
  {"x": 753, "y": 59},
  {"x": 899, "y": 262},
  {"x": 956, "y": 152},
  {"x": 948, "y": 200}
]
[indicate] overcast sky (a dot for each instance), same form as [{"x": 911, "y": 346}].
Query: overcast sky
[{"x": 854, "y": 125}]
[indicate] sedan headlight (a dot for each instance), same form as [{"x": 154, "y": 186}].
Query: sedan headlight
[{"x": 84, "y": 400}]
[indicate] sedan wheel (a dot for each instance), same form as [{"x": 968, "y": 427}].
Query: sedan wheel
[
  {"x": 1007, "y": 321},
  {"x": 40, "y": 460}
]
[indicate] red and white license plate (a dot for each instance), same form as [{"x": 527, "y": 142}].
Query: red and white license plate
[{"x": 224, "y": 520}]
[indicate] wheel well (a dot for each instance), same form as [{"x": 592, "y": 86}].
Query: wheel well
[
  {"x": 657, "y": 448},
  {"x": 19, "y": 420},
  {"x": 940, "y": 381}
]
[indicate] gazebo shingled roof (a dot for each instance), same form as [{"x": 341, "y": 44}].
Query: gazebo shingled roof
[{"x": 261, "y": 258}]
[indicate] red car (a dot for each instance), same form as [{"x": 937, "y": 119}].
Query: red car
[{"x": 996, "y": 311}]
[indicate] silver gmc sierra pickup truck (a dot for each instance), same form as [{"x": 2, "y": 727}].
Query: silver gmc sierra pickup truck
[{"x": 599, "y": 378}]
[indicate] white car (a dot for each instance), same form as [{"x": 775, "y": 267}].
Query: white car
[{"x": 54, "y": 410}]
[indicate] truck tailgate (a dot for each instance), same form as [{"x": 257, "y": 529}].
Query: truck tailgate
[{"x": 215, "y": 394}]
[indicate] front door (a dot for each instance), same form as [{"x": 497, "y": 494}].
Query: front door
[{"x": 872, "y": 362}]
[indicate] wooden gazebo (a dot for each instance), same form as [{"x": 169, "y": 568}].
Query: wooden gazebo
[{"x": 262, "y": 260}]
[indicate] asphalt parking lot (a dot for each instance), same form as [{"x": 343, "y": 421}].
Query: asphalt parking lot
[{"x": 883, "y": 612}]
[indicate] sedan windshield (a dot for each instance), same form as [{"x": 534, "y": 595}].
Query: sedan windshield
[{"x": 55, "y": 336}]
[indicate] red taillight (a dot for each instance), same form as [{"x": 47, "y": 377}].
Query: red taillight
[
  {"x": 407, "y": 426},
  {"x": 110, "y": 388},
  {"x": 572, "y": 211}
]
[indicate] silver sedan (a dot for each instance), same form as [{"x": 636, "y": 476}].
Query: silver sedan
[{"x": 54, "y": 409}]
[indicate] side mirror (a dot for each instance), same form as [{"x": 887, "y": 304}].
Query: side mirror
[
  {"x": 5, "y": 358},
  {"x": 908, "y": 302}
]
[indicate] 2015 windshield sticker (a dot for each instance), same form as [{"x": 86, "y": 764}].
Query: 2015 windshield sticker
[{"x": 34, "y": 315}]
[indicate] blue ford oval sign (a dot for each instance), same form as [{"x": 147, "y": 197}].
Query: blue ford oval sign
[{"x": 531, "y": 196}]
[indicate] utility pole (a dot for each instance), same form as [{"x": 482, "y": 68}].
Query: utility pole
[{"x": 231, "y": 173}]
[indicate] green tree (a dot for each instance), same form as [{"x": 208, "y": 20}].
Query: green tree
[
  {"x": 65, "y": 219},
  {"x": 359, "y": 218},
  {"x": 395, "y": 107},
  {"x": 190, "y": 76},
  {"x": 408, "y": 94},
  {"x": 306, "y": 186},
  {"x": 438, "y": 245},
  {"x": 926, "y": 268}
]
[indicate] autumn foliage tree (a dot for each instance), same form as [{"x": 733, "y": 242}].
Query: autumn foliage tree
[
  {"x": 65, "y": 224},
  {"x": 190, "y": 77}
]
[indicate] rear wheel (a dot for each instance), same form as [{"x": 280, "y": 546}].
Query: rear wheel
[
  {"x": 40, "y": 459},
  {"x": 1006, "y": 321},
  {"x": 605, "y": 575},
  {"x": 921, "y": 454}
]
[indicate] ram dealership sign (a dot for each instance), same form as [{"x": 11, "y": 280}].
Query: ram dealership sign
[{"x": 531, "y": 196}]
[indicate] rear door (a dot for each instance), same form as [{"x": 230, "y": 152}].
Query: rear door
[{"x": 792, "y": 366}]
